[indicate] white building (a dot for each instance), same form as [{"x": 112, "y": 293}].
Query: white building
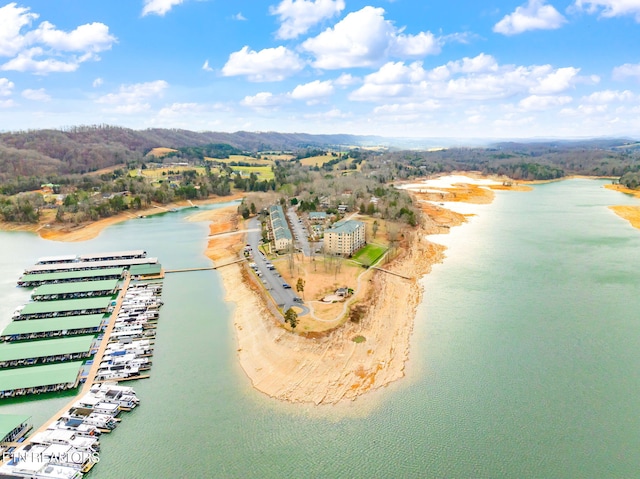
[{"x": 345, "y": 237}]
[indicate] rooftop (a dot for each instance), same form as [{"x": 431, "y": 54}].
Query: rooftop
[
  {"x": 138, "y": 253},
  {"x": 78, "y": 287},
  {"x": 43, "y": 348},
  {"x": 52, "y": 268},
  {"x": 65, "y": 305},
  {"x": 345, "y": 227},
  {"x": 64, "y": 275},
  {"x": 145, "y": 269},
  {"x": 53, "y": 324},
  {"x": 8, "y": 422},
  {"x": 35, "y": 376}
]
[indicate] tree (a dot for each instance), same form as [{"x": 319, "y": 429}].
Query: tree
[
  {"x": 300, "y": 286},
  {"x": 291, "y": 317},
  {"x": 375, "y": 228}
]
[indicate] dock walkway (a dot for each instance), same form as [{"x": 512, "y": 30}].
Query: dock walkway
[{"x": 203, "y": 268}]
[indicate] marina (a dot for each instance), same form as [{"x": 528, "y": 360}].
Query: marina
[{"x": 92, "y": 332}]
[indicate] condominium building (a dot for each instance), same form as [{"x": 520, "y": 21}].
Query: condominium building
[
  {"x": 282, "y": 237},
  {"x": 344, "y": 237}
]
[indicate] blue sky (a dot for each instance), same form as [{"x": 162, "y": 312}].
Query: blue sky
[{"x": 460, "y": 69}]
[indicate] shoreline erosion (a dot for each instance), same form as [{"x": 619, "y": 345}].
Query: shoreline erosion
[{"x": 331, "y": 368}]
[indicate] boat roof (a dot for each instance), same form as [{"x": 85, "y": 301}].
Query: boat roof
[
  {"x": 35, "y": 376},
  {"x": 72, "y": 274},
  {"x": 145, "y": 269},
  {"x": 8, "y": 422},
  {"x": 53, "y": 259},
  {"x": 65, "y": 305},
  {"x": 51, "y": 268},
  {"x": 53, "y": 324},
  {"x": 45, "y": 347},
  {"x": 112, "y": 254},
  {"x": 79, "y": 287}
]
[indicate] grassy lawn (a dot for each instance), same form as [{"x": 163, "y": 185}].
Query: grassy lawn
[
  {"x": 241, "y": 158},
  {"x": 317, "y": 160},
  {"x": 262, "y": 172},
  {"x": 156, "y": 173},
  {"x": 160, "y": 152},
  {"x": 369, "y": 254}
]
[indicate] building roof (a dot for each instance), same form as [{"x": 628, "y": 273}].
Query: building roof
[
  {"x": 65, "y": 305},
  {"x": 35, "y": 376},
  {"x": 345, "y": 227},
  {"x": 66, "y": 275},
  {"x": 78, "y": 287},
  {"x": 8, "y": 422},
  {"x": 55, "y": 259},
  {"x": 145, "y": 269},
  {"x": 318, "y": 215},
  {"x": 45, "y": 347},
  {"x": 53, "y": 324},
  {"x": 80, "y": 265},
  {"x": 113, "y": 254}
]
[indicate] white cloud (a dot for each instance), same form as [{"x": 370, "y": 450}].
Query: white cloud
[
  {"x": 6, "y": 87},
  {"x": 239, "y": 16},
  {"x": 627, "y": 70},
  {"x": 479, "y": 78},
  {"x": 206, "y": 66},
  {"x": 346, "y": 79},
  {"x": 134, "y": 98},
  {"x": 7, "y": 103},
  {"x": 611, "y": 8},
  {"x": 46, "y": 49},
  {"x": 25, "y": 62},
  {"x": 534, "y": 15},
  {"x": 556, "y": 81},
  {"x": 97, "y": 82},
  {"x": 36, "y": 95},
  {"x": 159, "y": 7},
  {"x": 298, "y": 16},
  {"x": 543, "y": 102},
  {"x": 610, "y": 96},
  {"x": 270, "y": 64},
  {"x": 261, "y": 100},
  {"x": 364, "y": 38},
  {"x": 313, "y": 91}
]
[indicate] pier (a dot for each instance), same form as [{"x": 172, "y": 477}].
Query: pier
[{"x": 203, "y": 268}]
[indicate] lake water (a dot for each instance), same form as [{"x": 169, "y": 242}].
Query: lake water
[{"x": 524, "y": 359}]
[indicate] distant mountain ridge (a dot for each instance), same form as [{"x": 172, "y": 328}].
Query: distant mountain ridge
[{"x": 83, "y": 149}]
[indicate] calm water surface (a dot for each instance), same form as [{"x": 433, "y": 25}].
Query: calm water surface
[{"x": 524, "y": 360}]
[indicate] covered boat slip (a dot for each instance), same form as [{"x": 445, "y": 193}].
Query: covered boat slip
[
  {"x": 88, "y": 265},
  {"x": 38, "y": 279},
  {"x": 13, "y": 426},
  {"x": 82, "y": 289},
  {"x": 39, "y": 379},
  {"x": 65, "y": 307},
  {"x": 45, "y": 351},
  {"x": 53, "y": 327},
  {"x": 113, "y": 255},
  {"x": 67, "y": 258},
  {"x": 145, "y": 270}
]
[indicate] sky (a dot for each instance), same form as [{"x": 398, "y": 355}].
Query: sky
[{"x": 491, "y": 69}]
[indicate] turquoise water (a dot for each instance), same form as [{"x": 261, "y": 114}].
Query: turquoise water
[{"x": 524, "y": 359}]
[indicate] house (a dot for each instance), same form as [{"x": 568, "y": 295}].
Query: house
[
  {"x": 317, "y": 216},
  {"x": 344, "y": 237}
]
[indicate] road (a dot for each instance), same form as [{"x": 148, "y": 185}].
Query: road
[
  {"x": 299, "y": 232},
  {"x": 271, "y": 279}
]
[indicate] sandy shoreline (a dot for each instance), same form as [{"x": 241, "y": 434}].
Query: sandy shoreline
[{"x": 331, "y": 368}]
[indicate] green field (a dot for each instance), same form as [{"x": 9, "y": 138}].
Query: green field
[
  {"x": 317, "y": 160},
  {"x": 369, "y": 253},
  {"x": 262, "y": 172},
  {"x": 242, "y": 159}
]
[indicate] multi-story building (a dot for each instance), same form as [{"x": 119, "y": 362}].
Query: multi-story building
[
  {"x": 282, "y": 237},
  {"x": 344, "y": 237}
]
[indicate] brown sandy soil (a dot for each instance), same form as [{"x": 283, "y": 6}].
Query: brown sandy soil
[
  {"x": 629, "y": 213},
  {"x": 330, "y": 367},
  {"x": 223, "y": 247},
  {"x": 47, "y": 228},
  {"x": 512, "y": 187}
]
